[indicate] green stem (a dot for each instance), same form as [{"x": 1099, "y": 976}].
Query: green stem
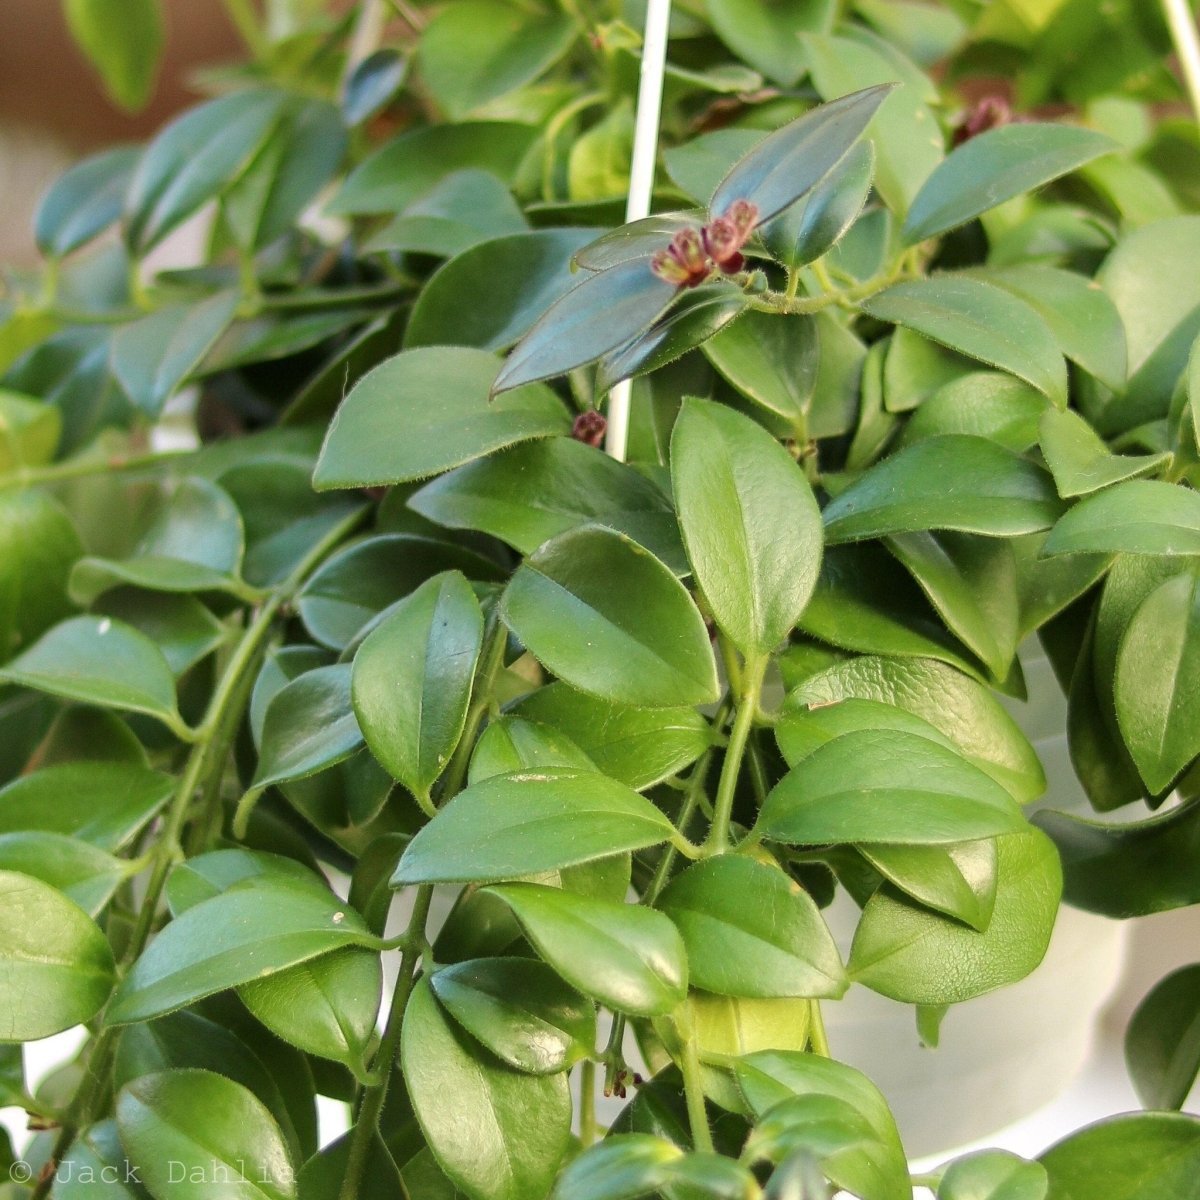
[
  {"x": 554, "y": 127},
  {"x": 81, "y": 468},
  {"x": 693, "y": 1091},
  {"x": 817, "y": 1037},
  {"x": 747, "y": 706},
  {"x": 366, "y": 1123},
  {"x": 491, "y": 660},
  {"x": 587, "y": 1103}
]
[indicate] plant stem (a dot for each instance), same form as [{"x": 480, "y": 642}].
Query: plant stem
[
  {"x": 816, "y": 1034},
  {"x": 1187, "y": 46},
  {"x": 80, "y": 468},
  {"x": 693, "y": 1091},
  {"x": 366, "y": 1123},
  {"x": 491, "y": 659},
  {"x": 747, "y": 706},
  {"x": 587, "y": 1103}
]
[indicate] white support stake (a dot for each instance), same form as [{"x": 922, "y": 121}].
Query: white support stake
[
  {"x": 641, "y": 181},
  {"x": 1187, "y": 46}
]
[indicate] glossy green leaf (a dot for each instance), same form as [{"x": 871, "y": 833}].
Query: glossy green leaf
[
  {"x": 1080, "y": 461},
  {"x": 993, "y": 1175},
  {"x": 476, "y": 51},
  {"x": 310, "y": 725},
  {"x": 643, "y": 644},
  {"x": 96, "y": 1159},
  {"x": 84, "y": 201},
  {"x": 623, "y": 1166},
  {"x": 770, "y": 359},
  {"x": 513, "y": 825},
  {"x": 1139, "y": 516},
  {"x": 958, "y": 880},
  {"x": 981, "y": 321},
  {"x": 473, "y": 1110},
  {"x": 322, "y": 1176},
  {"x": 183, "y": 628},
  {"x": 886, "y": 786},
  {"x": 412, "y": 679},
  {"x": 199, "y": 1124},
  {"x": 731, "y": 481},
  {"x": 1131, "y": 1157},
  {"x": 232, "y": 939},
  {"x": 326, "y": 1006},
  {"x": 511, "y": 744},
  {"x": 596, "y": 316},
  {"x": 128, "y": 64},
  {"x": 787, "y": 164},
  {"x": 195, "y": 158},
  {"x": 698, "y": 165},
  {"x": 636, "y": 746},
  {"x": 529, "y": 494},
  {"x": 372, "y": 85},
  {"x": 987, "y": 404},
  {"x": 751, "y": 931},
  {"x": 1162, "y": 1043},
  {"x": 83, "y": 873},
  {"x": 56, "y": 966},
  {"x": 995, "y": 166},
  {"x": 425, "y": 411},
  {"x": 204, "y": 876},
  {"x": 950, "y": 482},
  {"x": 97, "y": 660},
  {"x": 909, "y": 953},
  {"x": 766, "y": 35},
  {"x": 635, "y": 239},
  {"x": 520, "y": 1010},
  {"x": 800, "y": 729},
  {"x": 630, "y": 958}
]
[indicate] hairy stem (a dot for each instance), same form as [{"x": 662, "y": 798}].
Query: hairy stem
[
  {"x": 80, "y": 468},
  {"x": 693, "y": 1091},
  {"x": 747, "y": 706}
]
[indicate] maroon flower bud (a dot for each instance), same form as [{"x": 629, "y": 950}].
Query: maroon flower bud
[
  {"x": 684, "y": 262},
  {"x": 668, "y": 268},
  {"x": 744, "y": 216},
  {"x": 989, "y": 113},
  {"x": 589, "y": 428},
  {"x": 724, "y": 243}
]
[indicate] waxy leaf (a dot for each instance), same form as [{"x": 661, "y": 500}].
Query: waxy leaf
[
  {"x": 234, "y": 938},
  {"x": 751, "y": 931},
  {"x": 958, "y": 880},
  {"x": 800, "y": 730},
  {"x": 643, "y": 643},
  {"x": 473, "y": 1109},
  {"x": 1162, "y": 1043},
  {"x": 886, "y": 786},
  {"x": 766, "y": 35},
  {"x": 790, "y": 162},
  {"x": 636, "y": 239},
  {"x": 1080, "y": 461},
  {"x": 97, "y": 1154},
  {"x": 993, "y": 1175},
  {"x": 412, "y": 679},
  {"x": 83, "y": 873},
  {"x": 373, "y": 84},
  {"x": 204, "y": 1124},
  {"x": 732, "y": 480},
  {"x": 511, "y": 744},
  {"x": 425, "y": 411},
  {"x": 1140, "y": 516},
  {"x": 949, "y": 482},
  {"x": 56, "y": 967},
  {"x": 772, "y": 360},
  {"x": 84, "y": 201},
  {"x": 995, "y": 166},
  {"x": 508, "y": 826},
  {"x": 909, "y": 953},
  {"x": 204, "y": 876},
  {"x": 520, "y": 1010},
  {"x": 981, "y": 321},
  {"x": 624, "y": 1166},
  {"x": 630, "y": 958},
  {"x": 986, "y": 404}
]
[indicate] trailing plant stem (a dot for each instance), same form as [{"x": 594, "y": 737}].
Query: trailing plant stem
[
  {"x": 693, "y": 1091},
  {"x": 747, "y": 705}
]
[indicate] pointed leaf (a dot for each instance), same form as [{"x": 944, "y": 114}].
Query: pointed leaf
[
  {"x": 84, "y": 201},
  {"x": 1162, "y": 1043},
  {"x": 957, "y": 879},
  {"x": 624, "y": 1166},
  {"x": 83, "y": 873},
  {"x": 510, "y": 744},
  {"x": 772, "y": 360},
  {"x": 128, "y": 64},
  {"x": 1080, "y": 461},
  {"x": 635, "y": 239},
  {"x": 1139, "y": 516}
]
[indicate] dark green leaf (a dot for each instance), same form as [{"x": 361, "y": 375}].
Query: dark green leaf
[
  {"x": 322, "y": 1176},
  {"x": 987, "y": 404},
  {"x": 184, "y": 630},
  {"x": 624, "y": 1166},
  {"x": 207, "y": 875},
  {"x": 372, "y": 85},
  {"x": 96, "y": 1160},
  {"x": 958, "y": 880},
  {"x": 800, "y": 730},
  {"x": 511, "y": 744},
  {"x": 1080, "y": 461},
  {"x": 56, "y": 967},
  {"x": 473, "y": 1110},
  {"x": 630, "y": 958},
  {"x": 1139, "y": 516},
  {"x": 772, "y": 360},
  {"x": 993, "y": 1175},
  {"x": 128, "y": 60},
  {"x": 513, "y": 825},
  {"x": 766, "y": 35},
  {"x": 644, "y": 643},
  {"x": 82, "y": 872},
  {"x": 698, "y": 165},
  {"x": 1162, "y": 1043},
  {"x": 84, "y": 201},
  {"x": 636, "y": 239}
]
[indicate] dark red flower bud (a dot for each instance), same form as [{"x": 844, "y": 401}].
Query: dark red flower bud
[
  {"x": 989, "y": 113},
  {"x": 684, "y": 262},
  {"x": 589, "y": 428},
  {"x": 744, "y": 216}
]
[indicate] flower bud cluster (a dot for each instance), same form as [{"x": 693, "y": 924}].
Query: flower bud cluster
[{"x": 694, "y": 254}]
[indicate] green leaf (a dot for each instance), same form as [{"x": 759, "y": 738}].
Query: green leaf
[
  {"x": 477, "y": 51},
  {"x": 800, "y": 730},
  {"x": 986, "y": 404},
  {"x": 1139, "y": 516},
  {"x": 911, "y": 954},
  {"x": 596, "y": 316},
  {"x": 765, "y": 35},
  {"x": 950, "y": 482},
  {"x": 183, "y": 628},
  {"x": 524, "y": 273},
  {"x": 643, "y": 644},
  {"x": 630, "y": 958},
  {"x": 97, "y": 660},
  {"x": 955, "y": 705},
  {"x": 310, "y": 725},
  {"x": 1080, "y": 461},
  {"x": 750, "y": 931},
  {"x": 232, "y": 939},
  {"x": 635, "y": 746},
  {"x": 56, "y": 967},
  {"x": 635, "y": 239},
  {"x": 529, "y": 494},
  {"x": 698, "y": 165},
  {"x": 513, "y": 825},
  {"x": 732, "y": 479},
  {"x": 624, "y": 1166},
  {"x": 29, "y": 431},
  {"x": 373, "y": 84},
  {"x": 474, "y": 1111},
  {"x": 995, "y": 166},
  {"x": 326, "y": 1006},
  {"x": 1162, "y": 1043},
  {"x": 886, "y": 786},
  {"x": 520, "y": 1010},
  {"x": 425, "y": 411},
  {"x": 83, "y": 873},
  {"x": 981, "y": 321},
  {"x": 958, "y": 880},
  {"x": 993, "y": 1175},
  {"x": 206, "y": 1127},
  {"x": 1132, "y": 1157},
  {"x": 787, "y": 164},
  {"x": 194, "y": 159},
  {"x": 1157, "y": 684},
  {"x": 124, "y": 41},
  {"x": 770, "y": 359},
  {"x": 511, "y": 744},
  {"x": 207, "y": 875},
  {"x": 412, "y": 679},
  {"x": 97, "y": 1155},
  {"x": 84, "y": 201}
]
